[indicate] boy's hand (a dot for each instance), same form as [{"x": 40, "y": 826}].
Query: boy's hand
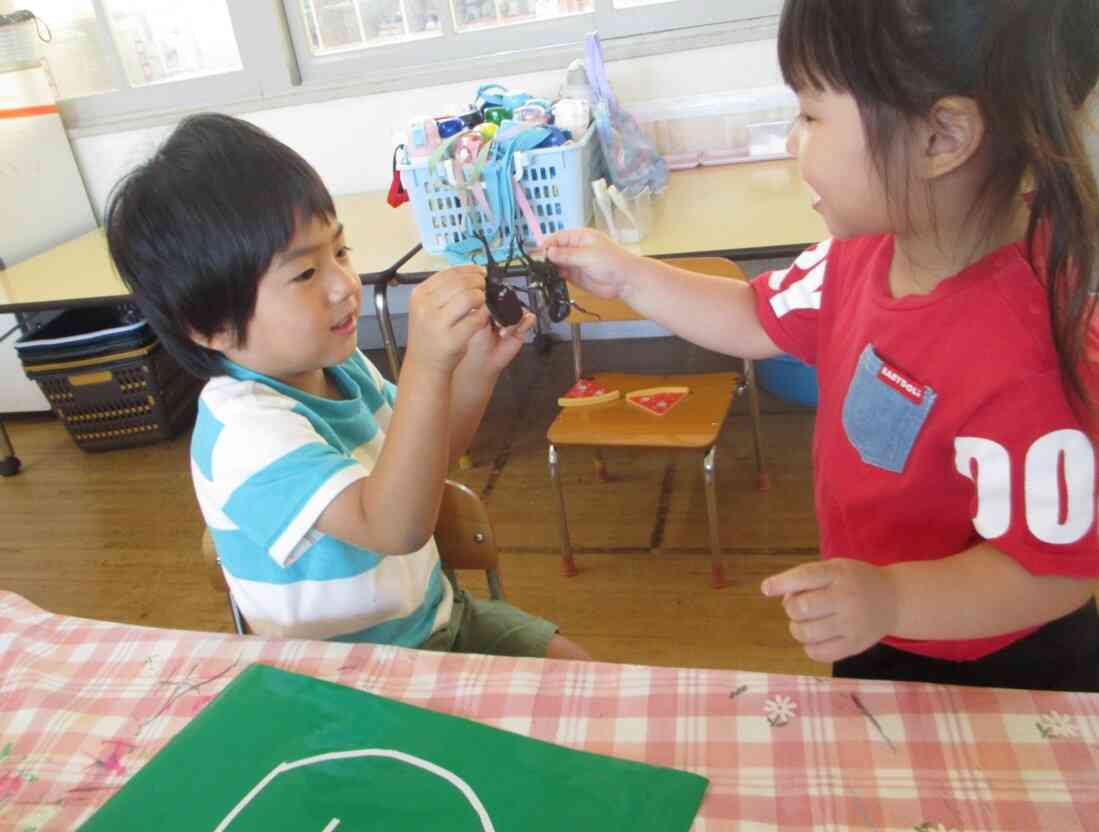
[
  {"x": 590, "y": 259},
  {"x": 837, "y": 608},
  {"x": 492, "y": 349},
  {"x": 444, "y": 313}
]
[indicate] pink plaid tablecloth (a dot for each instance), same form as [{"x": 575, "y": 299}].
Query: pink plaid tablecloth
[{"x": 84, "y": 704}]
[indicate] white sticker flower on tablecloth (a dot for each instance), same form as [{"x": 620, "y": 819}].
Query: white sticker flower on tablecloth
[
  {"x": 779, "y": 710},
  {"x": 1055, "y": 724}
]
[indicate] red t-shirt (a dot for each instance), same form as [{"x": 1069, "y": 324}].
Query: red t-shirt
[{"x": 942, "y": 421}]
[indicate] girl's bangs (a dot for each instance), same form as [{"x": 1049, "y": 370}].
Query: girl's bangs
[{"x": 810, "y": 47}]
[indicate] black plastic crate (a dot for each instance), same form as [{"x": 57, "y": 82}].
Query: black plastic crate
[{"x": 126, "y": 398}]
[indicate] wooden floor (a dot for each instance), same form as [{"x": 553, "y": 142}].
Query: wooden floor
[{"x": 116, "y": 535}]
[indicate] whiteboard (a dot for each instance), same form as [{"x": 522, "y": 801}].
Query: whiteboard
[{"x": 43, "y": 202}]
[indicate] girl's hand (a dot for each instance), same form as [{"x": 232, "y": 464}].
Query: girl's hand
[
  {"x": 444, "y": 313},
  {"x": 837, "y": 608},
  {"x": 492, "y": 349},
  {"x": 591, "y": 260}
]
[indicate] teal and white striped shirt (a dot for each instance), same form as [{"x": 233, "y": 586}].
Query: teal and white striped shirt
[{"x": 266, "y": 460}]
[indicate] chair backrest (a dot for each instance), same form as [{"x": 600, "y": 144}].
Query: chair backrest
[
  {"x": 609, "y": 311},
  {"x": 463, "y": 535},
  {"x": 217, "y": 580}
]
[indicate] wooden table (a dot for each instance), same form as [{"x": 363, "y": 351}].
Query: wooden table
[
  {"x": 85, "y": 704},
  {"x": 757, "y": 209}
]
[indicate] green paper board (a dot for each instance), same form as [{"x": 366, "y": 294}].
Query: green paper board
[{"x": 351, "y": 760}]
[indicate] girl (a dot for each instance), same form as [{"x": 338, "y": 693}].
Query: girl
[{"x": 955, "y": 476}]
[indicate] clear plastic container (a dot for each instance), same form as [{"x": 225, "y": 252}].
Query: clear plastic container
[
  {"x": 741, "y": 126},
  {"x": 18, "y": 41}
]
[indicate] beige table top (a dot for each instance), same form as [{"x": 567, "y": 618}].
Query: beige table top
[
  {"x": 76, "y": 271},
  {"x": 757, "y": 209}
]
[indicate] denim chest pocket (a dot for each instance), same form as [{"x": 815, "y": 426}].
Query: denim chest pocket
[{"x": 884, "y": 412}]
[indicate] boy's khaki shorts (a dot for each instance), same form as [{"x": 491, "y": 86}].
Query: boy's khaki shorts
[{"x": 492, "y": 627}]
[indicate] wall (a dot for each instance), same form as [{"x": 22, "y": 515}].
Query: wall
[{"x": 350, "y": 140}]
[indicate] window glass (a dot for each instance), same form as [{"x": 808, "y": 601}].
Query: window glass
[
  {"x": 630, "y": 4},
  {"x": 165, "y": 40},
  {"x": 486, "y": 14},
  {"x": 142, "y": 42},
  {"x": 340, "y": 25}
]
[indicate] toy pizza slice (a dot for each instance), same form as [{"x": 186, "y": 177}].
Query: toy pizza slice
[
  {"x": 657, "y": 400},
  {"x": 587, "y": 391}
]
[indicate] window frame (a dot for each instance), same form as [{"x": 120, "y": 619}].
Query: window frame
[{"x": 272, "y": 39}]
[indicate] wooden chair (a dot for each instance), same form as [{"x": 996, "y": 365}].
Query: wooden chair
[
  {"x": 693, "y": 424},
  {"x": 463, "y": 534}
]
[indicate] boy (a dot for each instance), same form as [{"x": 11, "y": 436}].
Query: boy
[{"x": 319, "y": 483}]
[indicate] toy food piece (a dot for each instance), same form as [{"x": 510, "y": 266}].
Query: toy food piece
[
  {"x": 587, "y": 391},
  {"x": 657, "y": 400}
]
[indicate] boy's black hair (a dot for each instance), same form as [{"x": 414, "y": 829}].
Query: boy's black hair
[{"x": 193, "y": 229}]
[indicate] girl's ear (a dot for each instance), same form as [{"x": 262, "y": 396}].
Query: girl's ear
[{"x": 951, "y": 135}]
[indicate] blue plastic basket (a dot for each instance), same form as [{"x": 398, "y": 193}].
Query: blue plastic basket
[
  {"x": 789, "y": 379},
  {"x": 557, "y": 182}
]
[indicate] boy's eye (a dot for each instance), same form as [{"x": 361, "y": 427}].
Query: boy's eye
[
  {"x": 342, "y": 252},
  {"x": 805, "y": 118},
  {"x": 304, "y": 276}
]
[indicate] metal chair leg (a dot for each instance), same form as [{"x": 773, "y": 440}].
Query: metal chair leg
[
  {"x": 238, "y": 619},
  {"x": 568, "y": 564},
  {"x": 600, "y": 465},
  {"x": 495, "y": 586},
  {"x": 717, "y": 569},
  {"x": 763, "y": 479},
  {"x": 385, "y": 323},
  {"x": 9, "y": 462}
]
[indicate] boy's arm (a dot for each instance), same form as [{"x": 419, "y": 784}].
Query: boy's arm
[
  {"x": 471, "y": 388},
  {"x": 840, "y": 607},
  {"x": 716, "y": 313},
  {"x": 490, "y": 350},
  {"x": 393, "y": 511}
]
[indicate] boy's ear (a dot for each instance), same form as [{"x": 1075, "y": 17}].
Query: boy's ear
[
  {"x": 951, "y": 135},
  {"x": 220, "y": 341}
]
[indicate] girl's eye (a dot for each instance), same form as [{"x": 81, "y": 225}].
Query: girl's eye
[
  {"x": 342, "y": 252},
  {"x": 304, "y": 276},
  {"x": 805, "y": 118}
]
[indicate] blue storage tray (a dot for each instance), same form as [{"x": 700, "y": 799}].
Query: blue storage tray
[{"x": 789, "y": 378}]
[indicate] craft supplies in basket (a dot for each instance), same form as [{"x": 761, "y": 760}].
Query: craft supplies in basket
[
  {"x": 453, "y": 200},
  {"x": 20, "y": 33}
]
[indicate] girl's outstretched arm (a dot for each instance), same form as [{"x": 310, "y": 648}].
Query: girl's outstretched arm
[
  {"x": 840, "y": 607},
  {"x": 713, "y": 312}
]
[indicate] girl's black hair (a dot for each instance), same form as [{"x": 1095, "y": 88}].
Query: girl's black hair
[
  {"x": 193, "y": 229},
  {"x": 1030, "y": 65}
]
